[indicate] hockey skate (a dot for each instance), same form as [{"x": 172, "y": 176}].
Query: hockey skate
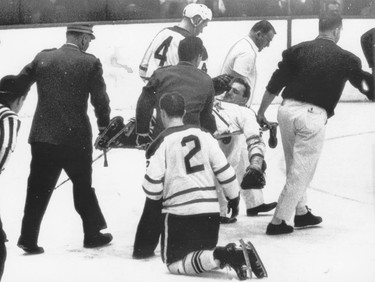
[
  {"x": 117, "y": 135},
  {"x": 244, "y": 260},
  {"x": 253, "y": 261}
]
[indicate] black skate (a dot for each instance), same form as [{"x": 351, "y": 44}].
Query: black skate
[
  {"x": 117, "y": 135},
  {"x": 243, "y": 260},
  {"x": 253, "y": 261}
]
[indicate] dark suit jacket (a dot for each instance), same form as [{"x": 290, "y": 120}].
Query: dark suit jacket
[
  {"x": 65, "y": 79},
  {"x": 191, "y": 83}
]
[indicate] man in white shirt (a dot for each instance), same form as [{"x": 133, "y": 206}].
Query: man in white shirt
[{"x": 241, "y": 58}]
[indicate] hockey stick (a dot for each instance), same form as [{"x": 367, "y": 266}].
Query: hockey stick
[{"x": 104, "y": 154}]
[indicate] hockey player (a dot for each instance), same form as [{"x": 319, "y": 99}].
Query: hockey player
[
  {"x": 12, "y": 96},
  {"x": 163, "y": 49},
  {"x": 242, "y": 150},
  {"x": 183, "y": 163},
  {"x": 185, "y": 77},
  {"x": 197, "y": 89}
]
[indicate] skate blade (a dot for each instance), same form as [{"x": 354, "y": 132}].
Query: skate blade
[
  {"x": 247, "y": 268},
  {"x": 260, "y": 263}
]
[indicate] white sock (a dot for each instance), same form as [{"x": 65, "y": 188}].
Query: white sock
[{"x": 194, "y": 263}]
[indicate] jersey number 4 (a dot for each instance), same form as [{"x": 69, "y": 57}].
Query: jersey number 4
[
  {"x": 161, "y": 52},
  {"x": 192, "y": 152}
]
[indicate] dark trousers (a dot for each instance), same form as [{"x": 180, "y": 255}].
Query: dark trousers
[
  {"x": 183, "y": 234},
  {"x": 3, "y": 250},
  {"x": 149, "y": 229},
  {"x": 46, "y": 165}
]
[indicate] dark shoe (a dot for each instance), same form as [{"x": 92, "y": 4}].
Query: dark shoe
[
  {"x": 227, "y": 220},
  {"x": 31, "y": 249},
  {"x": 261, "y": 208},
  {"x": 97, "y": 240},
  {"x": 307, "y": 219},
  {"x": 277, "y": 229},
  {"x": 272, "y": 141},
  {"x": 234, "y": 257}
]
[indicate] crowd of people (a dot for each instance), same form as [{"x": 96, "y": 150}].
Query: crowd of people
[
  {"x": 202, "y": 144},
  {"x": 62, "y": 11}
]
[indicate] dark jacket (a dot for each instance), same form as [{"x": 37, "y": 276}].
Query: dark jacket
[
  {"x": 184, "y": 78},
  {"x": 65, "y": 78},
  {"x": 315, "y": 72}
]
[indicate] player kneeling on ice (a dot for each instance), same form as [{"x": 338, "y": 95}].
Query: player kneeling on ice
[
  {"x": 183, "y": 163},
  {"x": 239, "y": 136}
]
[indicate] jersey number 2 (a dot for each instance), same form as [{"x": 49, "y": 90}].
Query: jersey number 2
[
  {"x": 192, "y": 152},
  {"x": 161, "y": 52}
]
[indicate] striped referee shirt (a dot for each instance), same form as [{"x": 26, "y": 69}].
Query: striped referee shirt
[
  {"x": 9, "y": 126},
  {"x": 184, "y": 166}
]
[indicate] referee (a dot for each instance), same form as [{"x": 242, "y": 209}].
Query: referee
[{"x": 12, "y": 96}]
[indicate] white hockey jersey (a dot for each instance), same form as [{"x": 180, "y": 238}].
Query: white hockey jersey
[
  {"x": 162, "y": 51},
  {"x": 233, "y": 119},
  {"x": 184, "y": 163}
]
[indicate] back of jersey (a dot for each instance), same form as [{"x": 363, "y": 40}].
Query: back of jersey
[
  {"x": 187, "y": 161},
  {"x": 163, "y": 51}
]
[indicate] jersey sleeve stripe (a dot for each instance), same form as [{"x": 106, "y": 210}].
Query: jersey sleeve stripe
[
  {"x": 153, "y": 181},
  {"x": 149, "y": 193},
  {"x": 228, "y": 180},
  {"x": 222, "y": 169},
  {"x": 187, "y": 191},
  {"x": 206, "y": 200},
  {"x": 253, "y": 138},
  {"x": 3, "y": 158}
]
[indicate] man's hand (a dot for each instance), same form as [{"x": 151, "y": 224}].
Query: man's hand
[
  {"x": 143, "y": 140},
  {"x": 262, "y": 121}
]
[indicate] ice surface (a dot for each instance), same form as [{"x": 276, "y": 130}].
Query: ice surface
[{"x": 342, "y": 192}]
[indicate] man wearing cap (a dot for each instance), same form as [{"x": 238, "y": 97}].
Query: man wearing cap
[
  {"x": 12, "y": 95},
  {"x": 61, "y": 135},
  {"x": 163, "y": 49}
]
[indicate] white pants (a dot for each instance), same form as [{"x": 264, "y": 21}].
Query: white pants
[
  {"x": 302, "y": 129},
  {"x": 237, "y": 156}
]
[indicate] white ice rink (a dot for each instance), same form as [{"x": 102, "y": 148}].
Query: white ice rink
[{"x": 341, "y": 249}]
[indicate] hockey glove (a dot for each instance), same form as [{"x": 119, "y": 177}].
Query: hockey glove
[
  {"x": 253, "y": 179},
  {"x": 221, "y": 83},
  {"x": 233, "y": 206}
]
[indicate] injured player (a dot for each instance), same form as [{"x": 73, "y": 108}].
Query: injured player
[{"x": 240, "y": 139}]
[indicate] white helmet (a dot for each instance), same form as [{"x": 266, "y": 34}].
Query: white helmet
[{"x": 201, "y": 10}]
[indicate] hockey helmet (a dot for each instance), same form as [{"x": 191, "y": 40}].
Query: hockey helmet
[{"x": 194, "y": 9}]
